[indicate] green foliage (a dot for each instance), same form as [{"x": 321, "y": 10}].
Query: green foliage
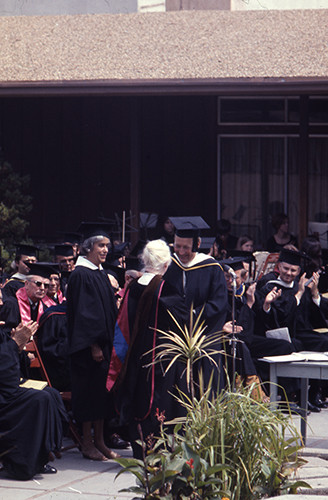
[
  {"x": 228, "y": 446},
  {"x": 15, "y": 205}
]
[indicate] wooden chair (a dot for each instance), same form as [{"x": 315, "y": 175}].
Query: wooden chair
[
  {"x": 31, "y": 347},
  {"x": 269, "y": 265}
]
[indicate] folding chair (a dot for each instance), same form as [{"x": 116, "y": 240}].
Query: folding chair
[
  {"x": 269, "y": 264},
  {"x": 37, "y": 362}
]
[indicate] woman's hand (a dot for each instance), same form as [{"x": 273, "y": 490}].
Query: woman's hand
[{"x": 96, "y": 353}]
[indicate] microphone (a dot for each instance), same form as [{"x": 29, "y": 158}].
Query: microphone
[{"x": 229, "y": 270}]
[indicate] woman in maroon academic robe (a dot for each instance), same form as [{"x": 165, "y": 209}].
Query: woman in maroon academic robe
[{"x": 143, "y": 390}]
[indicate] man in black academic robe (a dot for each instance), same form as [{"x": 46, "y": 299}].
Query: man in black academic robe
[
  {"x": 294, "y": 302},
  {"x": 25, "y": 254},
  {"x": 297, "y": 304},
  {"x": 199, "y": 279},
  {"x": 30, "y": 420}
]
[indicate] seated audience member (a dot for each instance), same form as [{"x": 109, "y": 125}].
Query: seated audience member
[
  {"x": 25, "y": 254},
  {"x": 245, "y": 243},
  {"x": 282, "y": 236},
  {"x": 54, "y": 295},
  {"x": 52, "y": 341},
  {"x": 224, "y": 240},
  {"x": 64, "y": 257},
  {"x": 165, "y": 230},
  {"x": 30, "y": 420},
  {"x": 315, "y": 262},
  {"x": 288, "y": 299},
  {"x": 73, "y": 240},
  {"x": 244, "y": 326},
  {"x": 28, "y": 303}
]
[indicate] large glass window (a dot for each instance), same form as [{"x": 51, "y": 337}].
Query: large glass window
[{"x": 252, "y": 183}]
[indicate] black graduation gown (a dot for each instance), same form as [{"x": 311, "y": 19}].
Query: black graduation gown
[
  {"x": 203, "y": 284},
  {"x": 144, "y": 389},
  {"x": 9, "y": 313},
  {"x": 30, "y": 419},
  {"x": 244, "y": 316},
  {"x": 91, "y": 314},
  {"x": 52, "y": 340},
  {"x": 11, "y": 287},
  {"x": 301, "y": 319}
]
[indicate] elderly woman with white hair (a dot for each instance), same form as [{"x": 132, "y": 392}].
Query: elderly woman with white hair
[
  {"x": 91, "y": 315},
  {"x": 142, "y": 390}
]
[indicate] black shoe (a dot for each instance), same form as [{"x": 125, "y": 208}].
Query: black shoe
[
  {"x": 317, "y": 401},
  {"x": 291, "y": 407},
  {"x": 116, "y": 442},
  {"x": 313, "y": 408},
  {"x": 48, "y": 469}
]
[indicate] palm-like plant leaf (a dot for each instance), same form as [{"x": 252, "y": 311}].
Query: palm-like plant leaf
[{"x": 188, "y": 345}]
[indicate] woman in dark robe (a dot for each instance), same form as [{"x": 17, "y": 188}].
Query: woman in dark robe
[
  {"x": 91, "y": 314},
  {"x": 30, "y": 419},
  {"x": 143, "y": 390}
]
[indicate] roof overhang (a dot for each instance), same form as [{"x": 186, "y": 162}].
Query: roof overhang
[{"x": 175, "y": 53}]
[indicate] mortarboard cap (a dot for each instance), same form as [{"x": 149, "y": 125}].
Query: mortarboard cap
[
  {"x": 133, "y": 263},
  {"x": 89, "y": 229},
  {"x": 64, "y": 250},
  {"x": 206, "y": 244},
  {"x": 120, "y": 249},
  {"x": 43, "y": 269},
  {"x": 71, "y": 238},
  {"x": 247, "y": 256},
  {"x": 189, "y": 227},
  {"x": 29, "y": 250},
  {"x": 138, "y": 248},
  {"x": 290, "y": 257},
  {"x": 235, "y": 263}
]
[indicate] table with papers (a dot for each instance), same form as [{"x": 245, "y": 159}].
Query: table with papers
[{"x": 304, "y": 365}]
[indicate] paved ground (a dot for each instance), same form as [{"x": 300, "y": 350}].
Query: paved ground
[{"x": 81, "y": 479}]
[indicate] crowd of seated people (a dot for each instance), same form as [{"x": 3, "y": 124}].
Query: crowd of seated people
[{"x": 87, "y": 285}]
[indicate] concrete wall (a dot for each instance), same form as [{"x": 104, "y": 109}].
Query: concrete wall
[{"x": 57, "y": 7}]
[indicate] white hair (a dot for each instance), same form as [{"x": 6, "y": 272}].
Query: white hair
[{"x": 156, "y": 257}]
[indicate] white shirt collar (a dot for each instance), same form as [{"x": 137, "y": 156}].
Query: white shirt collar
[
  {"x": 199, "y": 257},
  {"x": 19, "y": 276},
  {"x": 286, "y": 285},
  {"x": 146, "y": 278},
  {"x": 85, "y": 262}
]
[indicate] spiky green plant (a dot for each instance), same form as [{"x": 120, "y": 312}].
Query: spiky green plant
[{"x": 189, "y": 344}]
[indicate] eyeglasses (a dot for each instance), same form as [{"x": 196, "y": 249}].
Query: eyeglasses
[{"x": 39, "y": 283}]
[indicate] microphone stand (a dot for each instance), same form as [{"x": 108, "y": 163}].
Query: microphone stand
[{"x": 233, "y": 339}]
